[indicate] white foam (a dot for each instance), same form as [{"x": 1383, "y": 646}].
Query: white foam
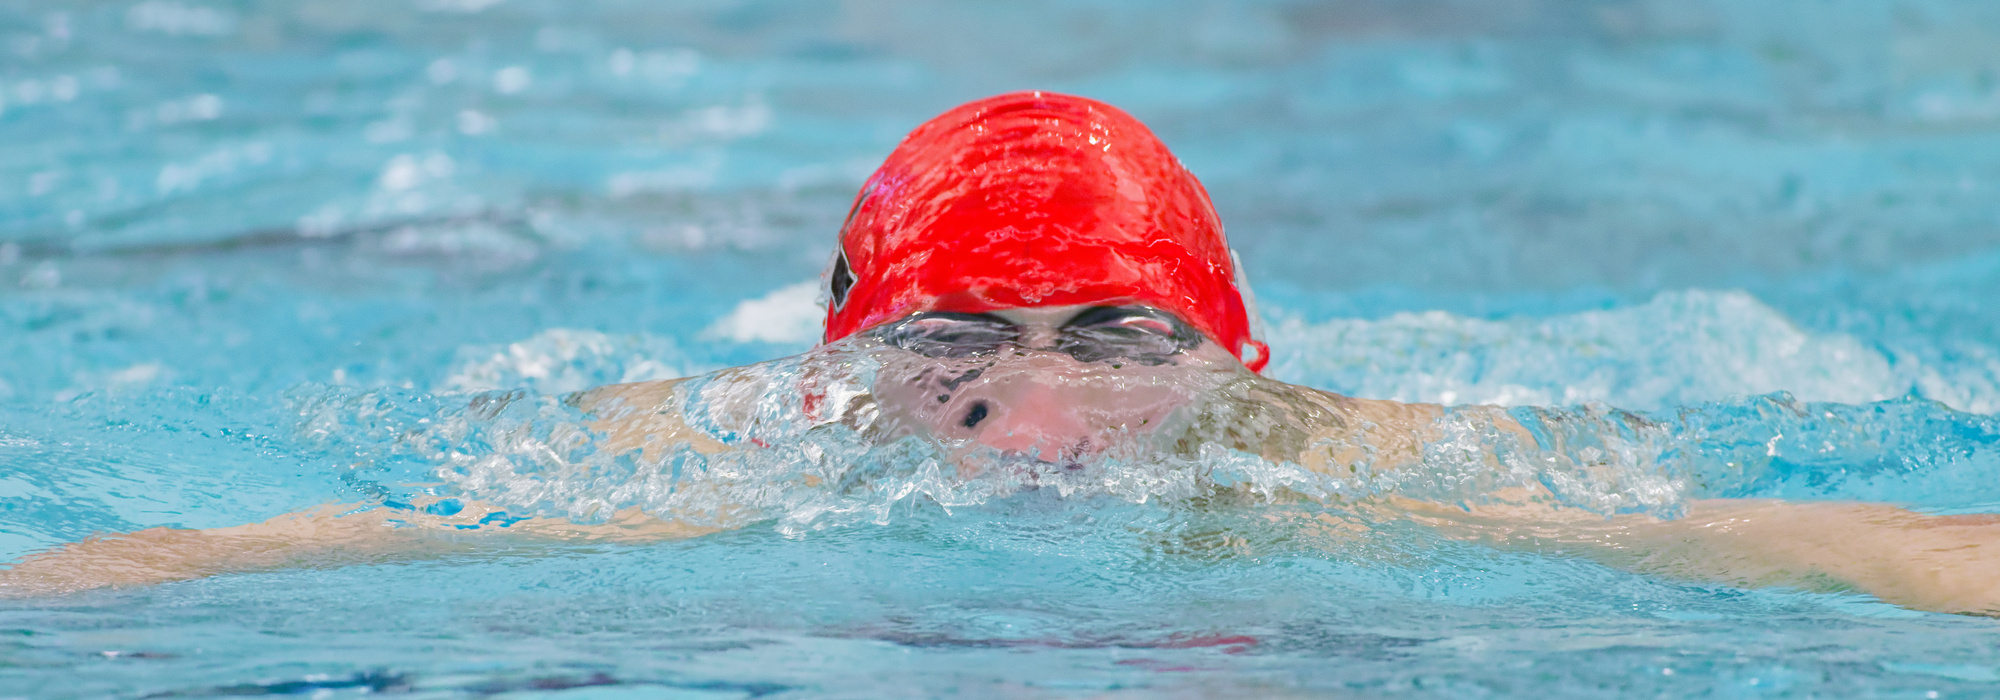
[
  {"x": 133, "y": 378},
  {"x": 562, "y": 360},
  {"x": 788, "y": 315},
  {"x": 1970, "y": 383},
  {"x": 1680, "y": 348}
]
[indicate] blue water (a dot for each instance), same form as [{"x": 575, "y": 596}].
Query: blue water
[{"x": 256, "y": 256}]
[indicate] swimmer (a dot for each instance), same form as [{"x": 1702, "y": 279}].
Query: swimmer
[{"x": 1032, "y": 282}]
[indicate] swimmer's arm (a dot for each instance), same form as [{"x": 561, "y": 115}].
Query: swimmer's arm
[
  {"x": 633, "y": 417},
  {"x": 1937, "y": 563},
  {"x": 1948, "y": 563},
  {"x": 325, "y": 537}
]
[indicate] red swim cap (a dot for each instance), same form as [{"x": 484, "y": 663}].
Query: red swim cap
[{"x": 1035, "y": 199}]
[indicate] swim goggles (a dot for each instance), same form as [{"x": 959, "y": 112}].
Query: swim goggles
[{"x": 1135, "y": 333}]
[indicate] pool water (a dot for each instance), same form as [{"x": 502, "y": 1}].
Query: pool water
[{"x": 258, "y": 256}]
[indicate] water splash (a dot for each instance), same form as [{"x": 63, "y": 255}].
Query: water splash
[
  {"x": 803, "y": 442},
  {"x": 561, "y": 360},
  {"x": 1681, "y": 348}
]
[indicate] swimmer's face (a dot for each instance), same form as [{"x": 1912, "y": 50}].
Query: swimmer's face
[{"x": 1052, "y": 383}]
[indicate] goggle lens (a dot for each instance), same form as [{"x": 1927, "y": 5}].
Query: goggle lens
[
  {"x": 1101, "y": 334},
  {"x": 950, "y": 335}
]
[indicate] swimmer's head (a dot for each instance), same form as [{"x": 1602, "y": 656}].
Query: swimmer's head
[{"x": 1030, "y": 200}]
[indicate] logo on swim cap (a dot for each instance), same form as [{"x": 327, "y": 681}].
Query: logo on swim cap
[
  {"x": 838, "y": 281},
  {"x": 1035, "y": 199}
]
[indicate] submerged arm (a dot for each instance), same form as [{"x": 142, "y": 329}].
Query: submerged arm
[
  {"x": 1938, "y": 563},
  {"x": 324, "y": 537},
  {"x": 631, "y": 418}
]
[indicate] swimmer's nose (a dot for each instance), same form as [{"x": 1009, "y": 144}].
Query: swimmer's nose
[{"x": 1037, "y": 421}]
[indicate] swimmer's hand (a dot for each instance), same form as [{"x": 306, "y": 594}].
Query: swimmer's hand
[
  {"x": 325, "y": 537},
  {"x": 1945, "y": 563}
]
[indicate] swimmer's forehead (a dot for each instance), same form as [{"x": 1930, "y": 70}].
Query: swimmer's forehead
[
  {"x": 1039, "y": 315},
  {"x": 1057, "y": 315}
]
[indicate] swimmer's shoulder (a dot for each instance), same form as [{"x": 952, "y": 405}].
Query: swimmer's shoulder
[
  {"x": 1327, "y": 431},
  {"x": 641, "y": 416},
  {"x": 613, "y": 400},
  {"x": 1330, "y": 411}
]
